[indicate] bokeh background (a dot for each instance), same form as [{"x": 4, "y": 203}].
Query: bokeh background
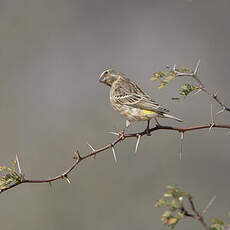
[{"x": 51, "y": 56}]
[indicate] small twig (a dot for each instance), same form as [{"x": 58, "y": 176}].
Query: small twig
[
  {"x": 197, "y": 215},
  {"x": 202, "y": 87}
]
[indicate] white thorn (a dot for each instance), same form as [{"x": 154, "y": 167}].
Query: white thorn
[
  {"x": 114, "y": 133},
  {"x": 18, "y": 164},
  {"x": 211, "y": 111},
  {"x": 138, "y": 141},
  {"x": 215, "y": 94},
  {"x": 181, "y": 144},
  {"x": 197, "y": 67},
  {"x": 210, "y": 128},
  {"x": 91, "y": 147},
  {"x": 221, "y": 111},
  {"x": 208, "y": 205},
  {"x": 114, "y": 154},
  {"x": 198, "y": 91},
  {"x": 77, "y": 155},
  {"x": 182, "y": 135},
  {"x": 50, "y": 184},
  {"x": 68, "y": 180},
  {"x": 127, "y": 123},
  {"x": 174, "y": 67}
]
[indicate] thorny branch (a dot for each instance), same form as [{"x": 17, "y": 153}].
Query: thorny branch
[
  {"x": 179, "y": 205},
  {"x": 121, "y": 137},
  {"x": 202, "y": 87},
  {"x": 196, "y": 214}
]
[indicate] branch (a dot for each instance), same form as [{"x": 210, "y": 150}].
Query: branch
[
  {"x": 197, "y": 215},
  {"x": 21, "y": 179},
  {"x": 177, "y": 209},
  {"x": 201, "y": 85}
]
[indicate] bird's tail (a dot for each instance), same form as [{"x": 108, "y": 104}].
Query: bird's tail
[{"x": 172, "y": 117}]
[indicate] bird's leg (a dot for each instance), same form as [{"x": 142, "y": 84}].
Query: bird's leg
[
  {"x": 127, "y": 124},
  {"x": 157, "y": 122},
  {"x": 147, "y": 130}
]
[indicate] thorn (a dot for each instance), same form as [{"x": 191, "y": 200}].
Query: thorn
[
  {"x": 67, "y": 179},
  {"x": 174, "y": 68},
  {"x": 138, "y": 141},
  {"x": 215, "y": 94},
  {"x": 65, "y": 176},
  {"x": 114, "y": 133},
  {"x": 208, "y": 205},
  {"x": 18, "y": 164},
  {"x": 114, "y": 154},
  {"x": 50, "y": 184},
  {"x": 198, "y": 91},
  {"x": 181, "y": 144},
  {"x": 209, "y": 130},
  {"x": 93, "y": 149},
  {"x": 77, "y": 155},
  {"x": 221, "y": 111},
  {"x": 211, "y": 111},
  {"x": 197, "y": 67}
]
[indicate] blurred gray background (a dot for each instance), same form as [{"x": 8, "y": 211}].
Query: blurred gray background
[{"x": 52, "y": 53}]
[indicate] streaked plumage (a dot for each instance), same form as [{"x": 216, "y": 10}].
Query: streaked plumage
[{"x": 128, "y": 99}]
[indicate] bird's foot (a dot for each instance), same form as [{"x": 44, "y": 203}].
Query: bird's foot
[{"x": 147, "y": 131}]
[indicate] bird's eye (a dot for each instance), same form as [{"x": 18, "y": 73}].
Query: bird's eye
[{"x": 106, "y": 72}]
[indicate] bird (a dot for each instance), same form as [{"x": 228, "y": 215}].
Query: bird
[{"x": 130, "y": 101}]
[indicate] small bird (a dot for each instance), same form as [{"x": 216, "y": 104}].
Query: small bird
[{"x": 130, "y": 101}]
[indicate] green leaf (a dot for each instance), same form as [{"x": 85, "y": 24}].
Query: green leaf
[
  {"x": 9, "y": 175},
  {"x": 216, "y": 227},
  {"x": 160, "y": 203},
  {"x": 217, "y": 224},
  {"x": 217, "y": 221},
  {"x": 183, "y": 69},
  {"x": 166, "y": 214},
  {"x": 187, "y": 89}
]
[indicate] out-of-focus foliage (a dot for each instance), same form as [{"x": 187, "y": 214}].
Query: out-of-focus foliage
[
  {"x": 217, "y": 224},
  {"x": 174, "y": 200}
]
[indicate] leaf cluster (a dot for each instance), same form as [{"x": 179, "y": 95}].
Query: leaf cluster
[
  {"x": 173, "y": 202},
  {"x": 164, "y": 77},
  {"x": 9, "y": 175}
]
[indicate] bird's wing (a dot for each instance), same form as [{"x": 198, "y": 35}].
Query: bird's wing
[{"x": 128, "y": 93}]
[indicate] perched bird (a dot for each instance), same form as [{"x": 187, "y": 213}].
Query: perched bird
[{"x": 130, "y": 101}]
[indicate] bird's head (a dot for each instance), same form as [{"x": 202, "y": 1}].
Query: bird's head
[{"x": 108, "y": 77}]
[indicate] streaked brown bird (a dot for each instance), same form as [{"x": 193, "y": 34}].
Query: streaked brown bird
[{"x": 130, "y": 101}]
